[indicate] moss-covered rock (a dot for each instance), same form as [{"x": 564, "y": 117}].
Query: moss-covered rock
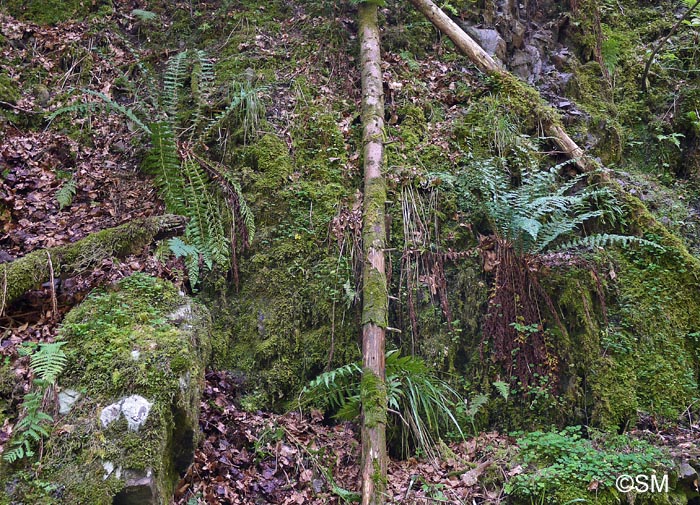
[{"x": 136, "y": 354}]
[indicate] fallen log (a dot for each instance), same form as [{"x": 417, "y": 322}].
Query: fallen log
[
  {"x": 547, "y": 115},
  {"x": 37, "y": 267}
]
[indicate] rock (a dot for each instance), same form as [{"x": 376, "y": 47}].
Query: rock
[
  {"x": 687, "y": 473},
  {"x": 66, "y": 399},
  {"x": 526, "y": 63},
  {"x": 489, "y": 40},
  {"x": 110, "y": 414},
  {"x": 135, "y": 409},
  {"x": 133, "y": 432}
]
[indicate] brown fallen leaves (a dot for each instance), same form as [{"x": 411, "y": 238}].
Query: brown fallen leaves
[{"x": 249, "y": 458}]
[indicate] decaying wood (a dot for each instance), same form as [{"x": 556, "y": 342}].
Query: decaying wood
[
  {"x": 37, "y": 267},
  {"x": 375, "y": 296},
  {"x": 486, "y": 64}
]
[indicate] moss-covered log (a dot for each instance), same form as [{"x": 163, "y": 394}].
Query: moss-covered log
[
  {"x": 27, "y": 272},
  {"x": 547, "y": 116}
]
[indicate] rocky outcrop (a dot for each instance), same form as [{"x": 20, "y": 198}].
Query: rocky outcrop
[{"x": 127, "y": 419}]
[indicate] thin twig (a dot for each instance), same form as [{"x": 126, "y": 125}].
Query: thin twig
[{"x": 54, "y": 300}]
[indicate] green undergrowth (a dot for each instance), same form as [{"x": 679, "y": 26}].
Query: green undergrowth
[
  {"x": 51, "y": 13},
  {"x": 630, "y": 127},
  {"x": 564, "y": 467},
  {"x": 292, "y": 316}
]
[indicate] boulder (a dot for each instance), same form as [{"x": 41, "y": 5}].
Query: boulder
[{"x": 129, "y": 399}]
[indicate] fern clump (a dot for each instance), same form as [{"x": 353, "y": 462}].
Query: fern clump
[
  {"x": 180, "y": 121},
  {"x": 47, "y": 362},
  {"x": 420, "y": 404},
  {"x": 529, "y": 213}
]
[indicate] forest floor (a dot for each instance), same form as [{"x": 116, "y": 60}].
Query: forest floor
[{"x": 244, "y": 457}]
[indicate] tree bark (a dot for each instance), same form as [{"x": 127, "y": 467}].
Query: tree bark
[
  {"x": 375, "y": 299},
  {"x": 27, "y": 272},
  {"x": 546, "y": 114}
]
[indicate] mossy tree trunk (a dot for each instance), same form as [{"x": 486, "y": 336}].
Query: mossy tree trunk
[
  {"x": 545, "y": 114},
  {"x": 375, "y": 298},
  {"x": 27, "y": 272}
]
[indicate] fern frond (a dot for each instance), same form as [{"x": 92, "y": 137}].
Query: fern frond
[
  {"x": 163, "y": 161},
  {"x": 173, "y": 81},
  {"x": 606, "y": 240},
  {"x": 239, "y": 208},
  {"x": 66, "y": 193},
  {"x": 106, "y": 104},
  {"x": 202, "y": 86},
  {"x": 29, "y": 428},
  {"x": 205, "y": 228},
  {"x": 48, "y": 361},
  {"x": 144, "y": 15}
]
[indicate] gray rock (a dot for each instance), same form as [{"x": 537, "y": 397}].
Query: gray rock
[
  {"x": 135, "y": 409},
  {"x": 140, "y": 488},
  {"x": 489, "y": 40},
  {"x": 66, "y": 399},
  {"x": 110, "y": 414},
  {"x": 687, "y": 473}
]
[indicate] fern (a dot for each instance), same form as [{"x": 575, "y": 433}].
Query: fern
[
  {"x": 66, "y": 193},
  {"x": 48, "y": 361},
  {"x": 144, "y": 15},
  {"x": 540, "y": 212},
  {"x": 106, "y": 105},
  {"x": 503, "y": 389},
  {"x": 189, "y": 181},
  {"x": 191, "y": 255},
  {"x": 30, "y": 428},
  {"x": 422, "y": 404},
  {"x": 163, "y": 161},
  {"x": 173, "y": 81},
  {"x": 605, "y": 240}
]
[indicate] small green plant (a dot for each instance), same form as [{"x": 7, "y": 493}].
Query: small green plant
[
  {"x": 66, "y": 193},
  {"x": 47, "y": 361},
  {"x": 565, "y": 459}
]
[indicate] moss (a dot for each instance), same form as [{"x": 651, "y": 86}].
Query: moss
[
  {"x": 49, "y": 13},
  {"x": 9, "y": 91},
  {"x": 373, "y": 397},
  {"x": 140, "y": 314}
]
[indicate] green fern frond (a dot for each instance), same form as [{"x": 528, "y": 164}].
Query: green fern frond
[
  {"x": 144, "y": 15},
  {"x": 205, "y": 228},
  {"x": 173, "y": 80},
  {"x": 106, "y": 104},
  {"x": 29, "y": 428},
  {"x": 48, "y": 361},
  {"x": 163, "y": 161},
  {"x": 606, "y": 240},
  {"x": 238, "y": 206},
  {"x": 66, "y": 193}
]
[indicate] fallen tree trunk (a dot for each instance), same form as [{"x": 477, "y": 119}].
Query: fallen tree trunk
[
  {"x": 27, "y": 272},
  {"x": 548, "y": 117}
]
